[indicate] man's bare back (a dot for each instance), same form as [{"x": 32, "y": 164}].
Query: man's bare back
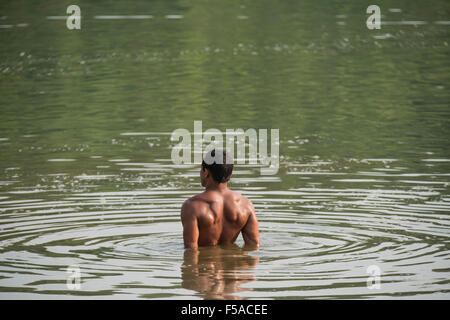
[{"x": 218, "y": 215}]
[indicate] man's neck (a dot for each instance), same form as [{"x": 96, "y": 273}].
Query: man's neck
[{"x": 217, "y": 187}]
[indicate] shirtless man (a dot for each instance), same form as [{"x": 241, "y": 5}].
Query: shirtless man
[{"x": 218, "y": 215}]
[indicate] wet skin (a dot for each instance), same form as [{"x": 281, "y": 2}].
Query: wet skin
[{"x": 217, "y": 216}]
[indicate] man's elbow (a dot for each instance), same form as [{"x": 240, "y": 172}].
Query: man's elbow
[
  {"x": 191, "y": 245},
  {"x": 252, "y": 243}
]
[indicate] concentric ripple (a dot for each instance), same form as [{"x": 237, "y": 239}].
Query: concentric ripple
[{"x": 317, "y": 242}]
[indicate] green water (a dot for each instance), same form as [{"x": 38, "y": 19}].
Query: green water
[{"x": 86, "y": 177}]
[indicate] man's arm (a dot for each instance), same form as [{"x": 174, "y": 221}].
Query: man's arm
[
  {"x": 250, "y": 232},
  {"x": 190, "y": 226}
]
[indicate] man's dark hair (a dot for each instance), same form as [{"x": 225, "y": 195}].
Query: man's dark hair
[{"x": 222, "y": 168}]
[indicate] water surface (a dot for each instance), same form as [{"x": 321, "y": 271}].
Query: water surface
[{"x": 86, "y": 178}]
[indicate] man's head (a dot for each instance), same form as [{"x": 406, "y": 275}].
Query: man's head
[{"x": 217, "y": 167}]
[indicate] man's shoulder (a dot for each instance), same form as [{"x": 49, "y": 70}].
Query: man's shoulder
[
  {"x": 194, "y": 204},
  {"x": 242, "y": 200},
  {"x": 241, "y": 197}
]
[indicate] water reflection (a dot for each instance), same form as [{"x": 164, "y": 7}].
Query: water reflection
[{"x": 218, "y": 272}]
